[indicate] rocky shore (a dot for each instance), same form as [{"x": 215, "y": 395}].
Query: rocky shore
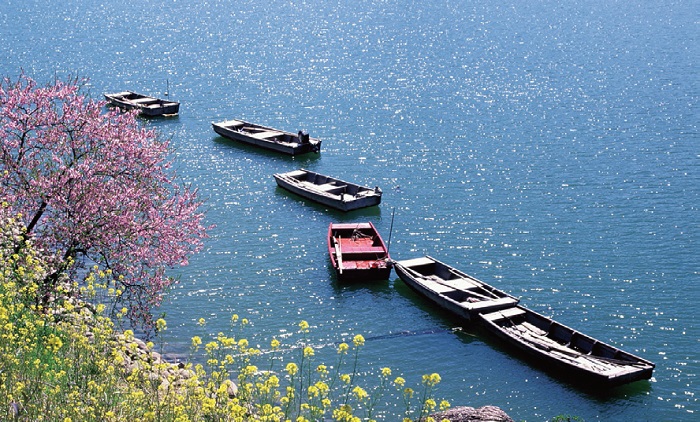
[{"x": 470, "y": 414}]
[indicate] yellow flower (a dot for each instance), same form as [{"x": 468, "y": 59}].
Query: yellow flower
[
  {"x": 208, "y": 404},
  {"x": 304, "y": 327},
  {"x": 358, "y": 340},
  {"x": 444, "y": 405},
  {"x": 161, "y": 325},
  {"x": 196, "y": 341},
  {"x": 431, "y": 380},
  {"x": 275, "y": 344},
  {"x": 234, "y": 318},
  {"x": 313, "y": 391},
  {"x": 273, "y": 381},
  {"x": 54, "y": 343},
  {"x": 292, "y": 368},
  {"x": 345, "y": 378},
  {"x": 226, "y": 342},
  {"x": 343, "y": 348},
  {"x": 202, "y": 322},
  {"x": 386, "y": 372},
  {"x": 360, "y": 393},
  {"x": 323, "y": 388},
  {"x": 308, "y": 351},
  {"x": 212, "y": 345},
  {"x": 250, "y": 370}
]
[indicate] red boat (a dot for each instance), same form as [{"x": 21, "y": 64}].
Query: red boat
[{"x": 358, "y": 252}]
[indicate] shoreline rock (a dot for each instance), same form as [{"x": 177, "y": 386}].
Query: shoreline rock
[{"x": 471, "y": 414}]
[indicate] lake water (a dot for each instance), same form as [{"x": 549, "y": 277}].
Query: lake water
[{"x": 547, "y": 148}]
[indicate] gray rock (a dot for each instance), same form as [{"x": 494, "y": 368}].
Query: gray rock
[
  {"x": 231, "y": 388},
  {"x": 470, "y": 414}
]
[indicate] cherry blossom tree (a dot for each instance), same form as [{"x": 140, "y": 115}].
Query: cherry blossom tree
[{"x": 95, "y": 188}]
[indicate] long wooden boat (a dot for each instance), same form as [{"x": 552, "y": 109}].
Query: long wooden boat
[
  {"x": 565, "y": 351},
  {"x": 451, "y": 289},
  {"x": 335, "y": 193},
  {"x": 358, "y": 252},
  {"x": 146, "y": 105},
  {"x": 267, "y": 137}
]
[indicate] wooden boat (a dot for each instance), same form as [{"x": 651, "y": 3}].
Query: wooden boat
[
  {"x": 451, "y": 289},
  {"x": 357, "y": 252},
  {"x": 566, "y": 351},
  {"x": 147, "y": 106},
  {"x": 266, "y": 137},
  {"x": 335, "y": 193}
]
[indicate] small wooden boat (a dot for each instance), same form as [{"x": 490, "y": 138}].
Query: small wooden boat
[
  {"x": 566, "y": 351},
  {"x": 147, "y": 106},
  {"x": 266, "y": 137},
  {"x": 451, "y": 289},
  {"x": 339, "y": 194},
  {"x": 357, "y": 252}
]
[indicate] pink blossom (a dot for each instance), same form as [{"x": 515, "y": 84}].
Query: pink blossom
[{"x": 95, "y": 186}]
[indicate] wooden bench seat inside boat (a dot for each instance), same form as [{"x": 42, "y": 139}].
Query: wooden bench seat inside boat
[
  {"x": 503, "y": 314},
  {"x": 363, "y": 255},
  {"x": 486, "y": 304},
  {"x": 437, "y": 287},
  {"x": 297, "y": 173},
  {"x": 348, "y": 248},
  {"x": 456, "y": 283},
  {"x": 373, "y": 251},
  {"x": 144, "y": 100},
  {"x": 331, "y": 188},
  {"x": 266, "y": 134},
  {"x": 233, "y": 124}
]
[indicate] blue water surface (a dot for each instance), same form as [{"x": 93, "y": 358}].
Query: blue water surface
[{"x": 548, "y": 148}]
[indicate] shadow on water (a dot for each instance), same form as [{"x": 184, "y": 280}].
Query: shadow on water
[
  {"x": 336, "y": 215},
  {"x": 162, "y": 118},
  {"x": 302, "y": 159},
  {"x": 375, "y": 287},
  {"x": 471, "y": 330}
]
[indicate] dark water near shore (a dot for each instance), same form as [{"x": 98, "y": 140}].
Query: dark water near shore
[{"x": 549, "y": 149}]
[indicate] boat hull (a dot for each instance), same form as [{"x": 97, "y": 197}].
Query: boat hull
[
  {"x": 334, "y": 193},
  {"x": 452, "y": 290},
  {"x": 357, "y": 252},
  {"x": 565, "y": 352},
  {"x": 279, "y": 141},
  {"x": 146, "y": 105}
]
